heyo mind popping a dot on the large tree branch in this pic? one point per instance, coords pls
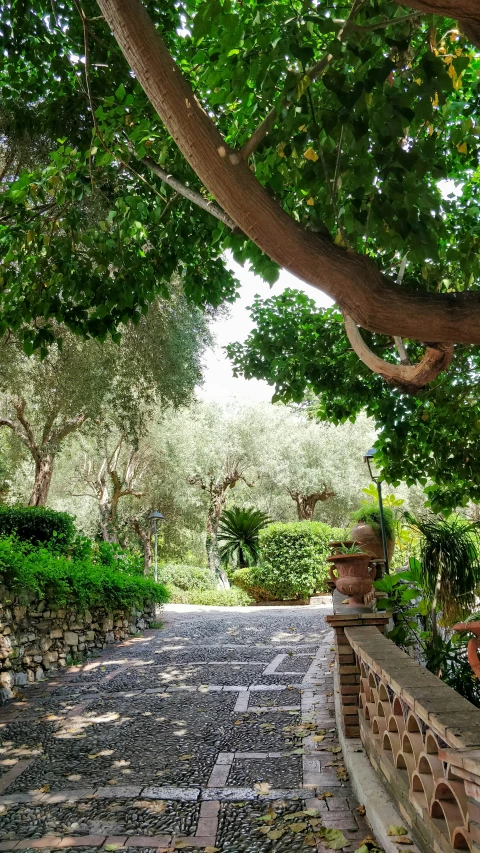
(409, 378)
(67, 427)
(352, 280)
(466, 12)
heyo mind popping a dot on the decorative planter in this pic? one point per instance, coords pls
(355, 575)
(473, 644)
(371, 541)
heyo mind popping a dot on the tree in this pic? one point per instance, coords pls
(216, 485)
(339, 182)
(118, 476)
(46, 400)
(380, 107)
(429, 438)
(238, 532)
(80, 221)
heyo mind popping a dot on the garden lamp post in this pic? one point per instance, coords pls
(155, 517)
(374, 474)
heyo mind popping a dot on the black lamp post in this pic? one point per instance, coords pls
(374, 474)
(155, 517)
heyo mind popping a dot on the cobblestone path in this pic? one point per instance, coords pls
(216, 732)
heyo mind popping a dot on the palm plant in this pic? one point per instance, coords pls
(238, 534)
(449, 565)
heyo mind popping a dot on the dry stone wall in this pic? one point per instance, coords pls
(36, 640)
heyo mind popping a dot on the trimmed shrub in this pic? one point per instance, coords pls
(38, 525)
(80, 583)
(294, 558)
(220, 597)
(186, 577)
(248, 580)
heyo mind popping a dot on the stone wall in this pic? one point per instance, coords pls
(35, 640)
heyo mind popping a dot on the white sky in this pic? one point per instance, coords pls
(220, 385)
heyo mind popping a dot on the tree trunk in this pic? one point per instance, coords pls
(213, 554)
(106, 522)
(306, 503)
(466, 12)
(43, 479)
(145, 537)
(370, 298)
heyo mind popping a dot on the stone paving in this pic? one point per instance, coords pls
(216, 732)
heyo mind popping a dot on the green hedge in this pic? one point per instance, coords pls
(221, 597)
(186, 577)
(77, 582)
(38, 525)
(293, 560)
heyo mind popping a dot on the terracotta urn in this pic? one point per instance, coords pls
(355, 575)
(371, 541)
(473, 644)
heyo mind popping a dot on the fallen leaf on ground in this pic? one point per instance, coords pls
(318, 738)
(211, 849)
(297, 752)
(309, 840)
(396, 830)
(262, 787)
(185, 757)
(112, 846)
(45, 789)
(275, 834)
(334, 839)
(268, 817)
(361, 810)
(403, 839)
(181, 844)
(264, 829)
(298, 827)
(325, 795)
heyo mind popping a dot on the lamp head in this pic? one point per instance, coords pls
(369, 458)
(156, 516)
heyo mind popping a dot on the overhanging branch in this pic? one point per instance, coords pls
(352, 280)
(409, 378)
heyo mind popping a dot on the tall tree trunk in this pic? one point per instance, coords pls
(43, 479)
(213, 554)
(145, 537)
(106, 522)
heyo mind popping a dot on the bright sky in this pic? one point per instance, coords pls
(220, 385)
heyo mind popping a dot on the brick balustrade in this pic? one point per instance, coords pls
(421, 736)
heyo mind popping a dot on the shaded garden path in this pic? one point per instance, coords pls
(217, 731)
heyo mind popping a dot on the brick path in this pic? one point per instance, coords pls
(216, 732)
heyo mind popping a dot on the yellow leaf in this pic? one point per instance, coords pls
(274, 834)
(310, 154)
(418, 81)
(280, 148)
(264, 829)
(396, 830)
(303, 128)
(298, 827)
(318, 738)
(185, 757)
(339, 241)
(462, 149)
(181, 844)
(45, 789)
(310, 201)
(262, 787)
(211, 849)
(451, 71)
(435, 100)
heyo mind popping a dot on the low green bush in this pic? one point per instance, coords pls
(294, 558)
(186, 577)
(38, 525)
(248, 580)
(76, 582)
(220, 597)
